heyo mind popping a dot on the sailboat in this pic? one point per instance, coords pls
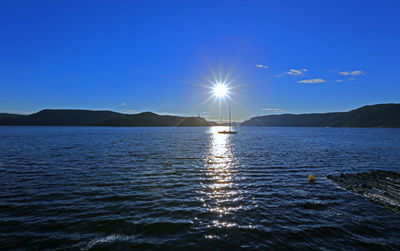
(229, 131)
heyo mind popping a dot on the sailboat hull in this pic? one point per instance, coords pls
(227, 132)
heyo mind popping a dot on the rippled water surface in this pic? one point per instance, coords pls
(149, 188)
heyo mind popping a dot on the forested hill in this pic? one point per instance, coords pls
(381, 115)
(50, 117)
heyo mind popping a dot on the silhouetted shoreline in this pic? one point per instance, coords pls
(66, 117)
(380, 115)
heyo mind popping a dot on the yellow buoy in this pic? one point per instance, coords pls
(311, 177)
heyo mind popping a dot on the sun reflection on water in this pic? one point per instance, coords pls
(222, 197)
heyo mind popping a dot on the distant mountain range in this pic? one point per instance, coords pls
(381, 115)
(50, 117)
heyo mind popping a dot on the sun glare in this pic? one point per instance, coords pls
(220, 90)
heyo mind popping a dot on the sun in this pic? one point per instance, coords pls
(220, 90)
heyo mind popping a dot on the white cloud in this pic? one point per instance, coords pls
(295, 72)
(123, 104)
(272, 109)
(262, 66)
(312, 81)
(129, 111)
(339, 80)
(351, 73)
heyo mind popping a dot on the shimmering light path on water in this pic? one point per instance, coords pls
(93, 187)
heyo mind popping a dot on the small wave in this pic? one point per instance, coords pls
(114, 198)
(315, 205)
(105, 240)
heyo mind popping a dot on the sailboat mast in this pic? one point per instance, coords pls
(229, 118)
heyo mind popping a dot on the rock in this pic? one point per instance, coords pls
(381, 187)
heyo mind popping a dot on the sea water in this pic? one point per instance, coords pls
(139, 188)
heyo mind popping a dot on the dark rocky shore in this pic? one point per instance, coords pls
(382, 187)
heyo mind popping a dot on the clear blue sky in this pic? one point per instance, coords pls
(133, 56)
